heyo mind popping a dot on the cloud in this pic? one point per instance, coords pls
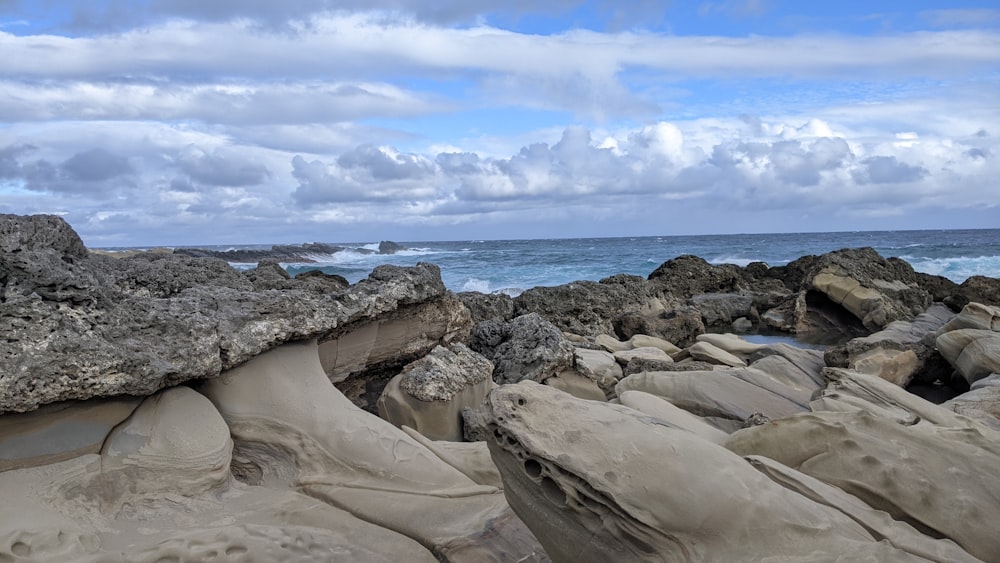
(887, 170)
(221, 169)
(971, 17)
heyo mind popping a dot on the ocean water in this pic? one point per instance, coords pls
(511, 266)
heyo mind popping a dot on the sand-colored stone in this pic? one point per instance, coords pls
(598, 482)
(896, 468)
(975, 315)
(471, 458)
(712, 354)
(597, 365)
(732, 343)
(674, 416)
(292, 426)
(646, 341)
(60, 431)
(894, 366)
(570, 381)
(711, 394)
(975, 353)
(611, 344)
(625, 356)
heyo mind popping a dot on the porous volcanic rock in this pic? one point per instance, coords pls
(77, 325)
(528, 347)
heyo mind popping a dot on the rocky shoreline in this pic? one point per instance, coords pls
(165, 406)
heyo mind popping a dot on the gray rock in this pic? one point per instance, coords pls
(721, 309)
(527, 347)
(588, 308)
(444, 372)
(77, 325)
(488, 306)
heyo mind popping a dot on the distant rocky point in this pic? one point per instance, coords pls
(288, 253)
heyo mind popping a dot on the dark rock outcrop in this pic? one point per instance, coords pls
(77, 325)
(527, 347)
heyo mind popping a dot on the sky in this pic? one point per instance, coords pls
(185, 122)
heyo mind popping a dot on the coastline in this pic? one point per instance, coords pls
(223, 410)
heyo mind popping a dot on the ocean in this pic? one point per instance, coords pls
(511, 266)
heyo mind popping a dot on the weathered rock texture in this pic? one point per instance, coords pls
(431, 392)
(77, 325)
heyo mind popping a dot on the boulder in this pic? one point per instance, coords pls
(721, 309)
(644, 340)
(981, 289)
(611, 344)
(975, 353)
(895, 468)
(645, 353)
(597, 482)
(680, 324)
(719, 395)
(873, 290)
(981, 402)
(712, 354)
(488, 306)
(527, 347)
(974, 315)
(430, 393)
(599, 366)
(731, 343)
(570, 381)
(901, 352)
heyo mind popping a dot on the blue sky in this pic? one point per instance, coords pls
(177, 122)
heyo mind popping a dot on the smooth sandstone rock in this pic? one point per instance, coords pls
(646, 341)
(293, 428)
(712, 354)
(572, 382)
(611, 344)
(674, 416)
(597, 365)
(598, 482)
(894, 366)
(648, 352)
(711, 394)
(60, 431)
(975, 353)
(732, 343)
(895, 468)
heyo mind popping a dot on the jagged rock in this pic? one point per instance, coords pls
(873, 290)
(862, 454)
(77, 325)
(488, 306)
(721, 309)
(686, 276)
(589, 308)
(597, 482)
(527, 347)
(981, 289)
(389, 247)
(430, 393)
(679, 325)
(639, 364)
